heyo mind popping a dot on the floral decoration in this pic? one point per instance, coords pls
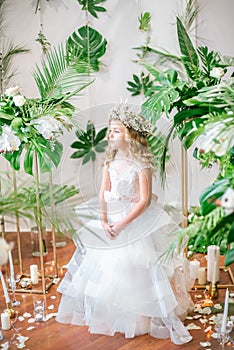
(34, 126)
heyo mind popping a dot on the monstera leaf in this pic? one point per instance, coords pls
(89, 143)
(87, 44)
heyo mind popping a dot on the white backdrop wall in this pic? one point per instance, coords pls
(119, 25)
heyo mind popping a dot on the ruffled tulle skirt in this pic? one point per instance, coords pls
(124, 286)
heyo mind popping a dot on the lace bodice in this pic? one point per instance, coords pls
(124, 176)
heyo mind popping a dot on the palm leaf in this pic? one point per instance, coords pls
(189, 54)
(9, 51)
(60, 76)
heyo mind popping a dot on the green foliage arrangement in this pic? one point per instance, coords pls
(89, 142)
(201, 103)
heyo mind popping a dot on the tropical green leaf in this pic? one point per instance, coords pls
(28, 160)
(144, 21)
(229, 257)
(14, 158)
(89, 143)
(184, 115)
(92, 6)
(87, 45)
(189, 54)
(59, 77)
(100, 136)
(211, 193)
(140, 84)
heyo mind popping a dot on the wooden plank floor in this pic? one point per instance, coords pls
(53, 335)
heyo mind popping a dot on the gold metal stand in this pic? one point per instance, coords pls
(45, 281)
(219, 286)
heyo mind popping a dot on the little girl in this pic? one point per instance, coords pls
(120, 284)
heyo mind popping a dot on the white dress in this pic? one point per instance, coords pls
(122, 285)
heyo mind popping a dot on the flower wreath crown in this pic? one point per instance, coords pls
(131, 119)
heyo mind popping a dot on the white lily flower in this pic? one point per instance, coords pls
(9, 142)
(217, 72)
(227, 201)
(19, 100)
(13, 91)
(47, 126)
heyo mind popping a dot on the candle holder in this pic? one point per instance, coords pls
(223, 337)
(10, 310)
(213, 290)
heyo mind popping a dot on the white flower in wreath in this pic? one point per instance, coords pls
(217, 72)
(13, 91)
(9, 142)
(47, 126)
(19, 100)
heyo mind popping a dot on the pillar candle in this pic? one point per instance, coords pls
(213, 264)
(12, 273)
(34, 274)
(201, 275)
(194, 266)
(7, 299)
(5, 321)
(225, 313)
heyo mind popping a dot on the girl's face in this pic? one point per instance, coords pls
(116, 135)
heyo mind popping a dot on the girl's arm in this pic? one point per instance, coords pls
(105, 186)
(145, 193)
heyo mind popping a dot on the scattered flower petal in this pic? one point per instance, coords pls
(21, 338)
(203, 320)
(206, 343)
(53, 297)
(206, 311)
(50, 315)
(208, 329)
(51, 307)
(5, 346)
(21, 318)
(197, 316)
(191, 326)
(30, 328)
(217, 306)
(31, 320)
(214, 335)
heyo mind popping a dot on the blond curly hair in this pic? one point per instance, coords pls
(138, 148)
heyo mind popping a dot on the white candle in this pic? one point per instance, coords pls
(4, 288)
(5, 321)
(194, 266)
(34, 274)
(201, 275)
(212, 258)
(214, 273)
(225, 313)
(12, 273)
